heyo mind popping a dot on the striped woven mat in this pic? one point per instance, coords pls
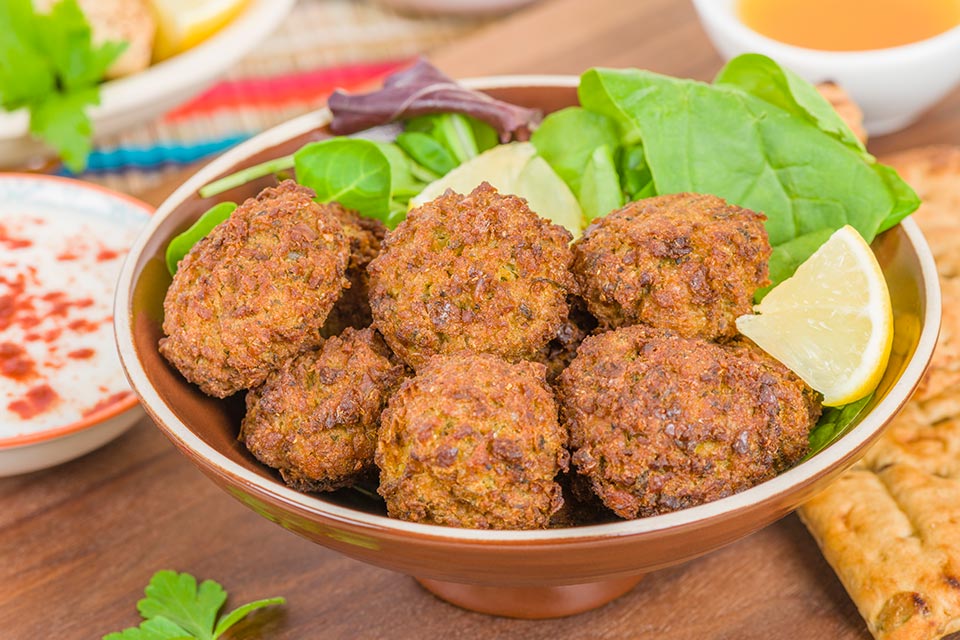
(322, 45)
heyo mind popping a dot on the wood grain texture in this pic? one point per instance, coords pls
(79, 542)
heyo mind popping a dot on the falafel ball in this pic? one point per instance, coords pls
(473, 441)
(255, 291)
(685, 262)
(560, 352)
(316, 418)
(365, 236)
(659, 422)
(480, 273)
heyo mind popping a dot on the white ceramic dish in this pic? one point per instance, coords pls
(893, 86)
(144, 96)
(94, 379)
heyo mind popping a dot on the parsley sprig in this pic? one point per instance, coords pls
(49, 65)
(175, 608)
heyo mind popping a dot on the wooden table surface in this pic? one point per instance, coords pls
(79, 542)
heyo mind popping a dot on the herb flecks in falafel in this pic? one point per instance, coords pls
(255, 291)
(478, 272)
(473, 441)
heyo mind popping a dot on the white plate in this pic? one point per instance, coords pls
(143, 96)
(25, 447)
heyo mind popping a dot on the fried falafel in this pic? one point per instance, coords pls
(659, 422)
(316, 418)
(365, 236)
(473, 441)
(685, 262)
(255, 291)
(478, 272)
(560, 352)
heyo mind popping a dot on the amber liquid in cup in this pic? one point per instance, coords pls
(849, 25)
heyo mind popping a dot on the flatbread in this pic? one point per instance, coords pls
(890, 526)
(934, 173)
(939, 392)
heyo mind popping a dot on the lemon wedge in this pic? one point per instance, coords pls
(182, 24)
(514, 168)
(831, 323)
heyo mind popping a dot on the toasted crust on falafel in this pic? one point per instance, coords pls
(480, 273)
(659, 422)
(473, 441)
(316, 418)
(255, 291)
(685, 262)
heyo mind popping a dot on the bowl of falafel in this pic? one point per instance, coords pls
(524, 414)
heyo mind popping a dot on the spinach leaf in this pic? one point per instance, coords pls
(181, 245)
(719, 139)
(600, 186)
(635, 177)
(403, 184)
(760, 76)
(567, 139)
(454, 131)
(354, 172)
(426, 151)
(833, 423)
(485, 135)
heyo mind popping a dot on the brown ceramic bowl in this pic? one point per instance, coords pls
(516, 573)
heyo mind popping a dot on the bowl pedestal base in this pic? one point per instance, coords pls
(530, 603)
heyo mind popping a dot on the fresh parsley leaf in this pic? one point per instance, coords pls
(176, 608)
(154, 629)
(61, 120)
(50, 66)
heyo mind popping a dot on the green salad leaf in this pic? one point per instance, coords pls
(176, 608)
(761, 138)
(356, 173)
(50, 66)
(600, 191)
(718, 139)
(463, 136)
(567, 139)
(763, 78)
(427, 151)
(180, 246)
(833, 424)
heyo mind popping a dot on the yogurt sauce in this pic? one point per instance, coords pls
(58, 359)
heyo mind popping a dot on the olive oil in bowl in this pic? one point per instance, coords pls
(849, 25)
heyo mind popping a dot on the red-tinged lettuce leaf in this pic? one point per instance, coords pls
(422, 90)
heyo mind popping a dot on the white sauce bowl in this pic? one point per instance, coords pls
(62, 243)
(893, 86)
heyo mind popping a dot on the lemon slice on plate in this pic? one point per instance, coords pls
(831, 323)
(182, 24)
(513, 168)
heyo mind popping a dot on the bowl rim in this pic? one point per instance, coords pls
(115, 408)
(177, 73)
(186, 440)
(724, 15)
